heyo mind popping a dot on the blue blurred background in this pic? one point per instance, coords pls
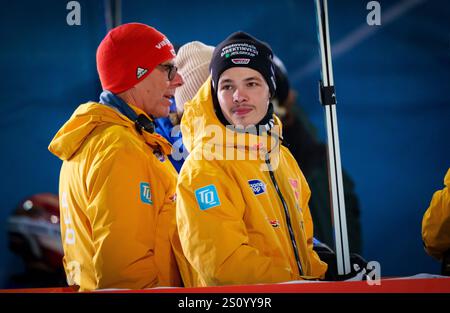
(392, 86)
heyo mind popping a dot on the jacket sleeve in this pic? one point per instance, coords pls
(436, 222)
(122, 223)
(318, 267)
(214, 237)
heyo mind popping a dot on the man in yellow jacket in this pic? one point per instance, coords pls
(242, 200)
(117, 187)
(436, 226)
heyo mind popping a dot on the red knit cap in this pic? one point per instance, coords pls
(129, 53)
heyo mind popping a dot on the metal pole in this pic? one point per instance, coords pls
(328, 100)
(113, 13)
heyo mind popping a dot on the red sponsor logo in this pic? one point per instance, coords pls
(240, 61)
(275, 223)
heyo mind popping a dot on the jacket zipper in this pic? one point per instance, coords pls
(288, 217)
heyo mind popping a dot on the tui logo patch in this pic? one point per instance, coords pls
(146, 193)
(207, 197)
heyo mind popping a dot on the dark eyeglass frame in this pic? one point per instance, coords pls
(171, 70)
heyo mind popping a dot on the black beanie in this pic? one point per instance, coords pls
(243, 50)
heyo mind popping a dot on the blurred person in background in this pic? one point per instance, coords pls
(436, 226)
(34, 235)
(301, 137)
(192, 61)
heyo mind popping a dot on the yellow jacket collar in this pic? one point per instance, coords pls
(200, 126)
(86, 118)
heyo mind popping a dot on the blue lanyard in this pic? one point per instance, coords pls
(141, 122)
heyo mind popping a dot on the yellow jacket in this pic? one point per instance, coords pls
(117, 195)
(231, 220)
(436, 222)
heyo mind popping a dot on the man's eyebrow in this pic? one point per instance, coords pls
(229, 80)
(226, 80)
(252, 78)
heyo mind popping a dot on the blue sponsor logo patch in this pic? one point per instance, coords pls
(207, 197)
(146, 193)
(258, 186)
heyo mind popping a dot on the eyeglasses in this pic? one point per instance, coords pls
(171, 70)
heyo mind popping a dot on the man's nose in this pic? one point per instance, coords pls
(177, 81)
(239, 96)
